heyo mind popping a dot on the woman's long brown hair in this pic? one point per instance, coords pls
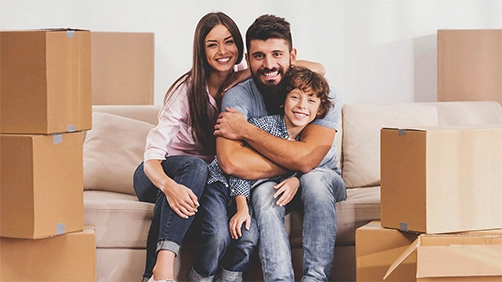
(202, 128)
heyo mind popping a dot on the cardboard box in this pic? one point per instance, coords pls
(68, 257)
(45, 81)
(441, 179)
(122, 68)
(41, 185)
(377, 248)
(469, 65)
(455, 257)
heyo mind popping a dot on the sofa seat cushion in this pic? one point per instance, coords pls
(121, 221)
(362, 206)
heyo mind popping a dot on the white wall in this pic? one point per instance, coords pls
(373, 51)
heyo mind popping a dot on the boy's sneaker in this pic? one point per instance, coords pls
(153, 280)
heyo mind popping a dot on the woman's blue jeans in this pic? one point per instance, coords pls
(167, 229)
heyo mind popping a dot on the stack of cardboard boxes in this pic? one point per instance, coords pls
(441, 212)
(45, 104)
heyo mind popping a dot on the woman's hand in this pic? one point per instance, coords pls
(288, 189)
(181, 199)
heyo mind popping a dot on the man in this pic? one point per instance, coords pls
(270, 55)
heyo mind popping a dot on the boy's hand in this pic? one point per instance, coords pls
(288, 189)
(236, 224)
(240, 217)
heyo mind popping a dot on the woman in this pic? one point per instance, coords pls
(174, 171)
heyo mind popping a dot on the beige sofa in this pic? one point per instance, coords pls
(114, 147)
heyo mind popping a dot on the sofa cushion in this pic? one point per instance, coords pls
(361, 136)
(120, 220)
(113, 149)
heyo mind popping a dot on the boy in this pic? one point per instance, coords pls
(304, 97)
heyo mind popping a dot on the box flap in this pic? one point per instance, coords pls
(459, 261)
(402, 257)
(468, 254)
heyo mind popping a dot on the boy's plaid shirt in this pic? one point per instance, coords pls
(275, 125)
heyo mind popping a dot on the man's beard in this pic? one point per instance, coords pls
(271, 92)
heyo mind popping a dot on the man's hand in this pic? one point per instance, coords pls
(288, 189)
(230, 124)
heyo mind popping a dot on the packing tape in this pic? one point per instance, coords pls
(401, 132)
(403, 226)
(70, 33)
(58, 138)
(60, 228)
(70, 128)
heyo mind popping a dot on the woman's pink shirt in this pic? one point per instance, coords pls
(173, 134)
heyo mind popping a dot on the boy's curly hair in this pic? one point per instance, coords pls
(308, 82)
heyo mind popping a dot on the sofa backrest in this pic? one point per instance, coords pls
(146, 113)
(111, 158)
(362, 124)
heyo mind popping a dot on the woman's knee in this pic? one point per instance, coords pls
(190, 171)
(143, 187)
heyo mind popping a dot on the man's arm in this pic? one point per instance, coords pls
(303, 155)
(313, 66)
(243, 162)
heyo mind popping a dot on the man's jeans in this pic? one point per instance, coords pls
(319, 191)
(217, 248)
(167, 229)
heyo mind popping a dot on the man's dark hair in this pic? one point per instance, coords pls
(269, 26)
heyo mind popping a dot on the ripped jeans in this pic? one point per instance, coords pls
(319, 191)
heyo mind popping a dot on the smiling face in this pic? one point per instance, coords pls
(300, 108)
(220, 48)
(269, 60)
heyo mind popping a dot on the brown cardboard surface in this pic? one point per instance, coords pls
(45, 81)
(441, 179)
(472, 255)
(469, 65)
(377, 248)
(68, 257)
(122, 68)
(41, 185)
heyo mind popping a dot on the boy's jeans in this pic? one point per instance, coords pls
(216, 247)
(167, 229)
(319, 191)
